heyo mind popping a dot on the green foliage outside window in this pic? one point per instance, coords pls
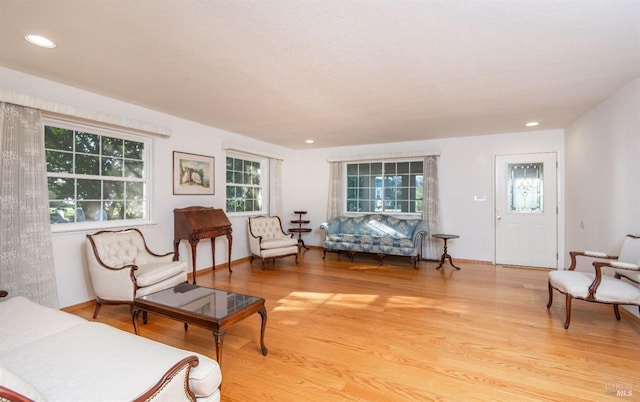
(94, 177)
(244, 189)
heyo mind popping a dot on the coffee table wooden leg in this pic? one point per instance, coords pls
(218, 337)
(263, 314)
(134, 317)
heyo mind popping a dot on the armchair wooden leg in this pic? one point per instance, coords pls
(568, 320)
(616, 310)
(550, 296)
(263, 263)
(97, 310)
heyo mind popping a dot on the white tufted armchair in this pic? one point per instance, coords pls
(122, 267)
(267, 239)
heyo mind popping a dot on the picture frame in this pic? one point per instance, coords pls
(193, 174)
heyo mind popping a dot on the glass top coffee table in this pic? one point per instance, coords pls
(204, 307)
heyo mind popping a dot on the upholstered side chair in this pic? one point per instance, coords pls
(122, 267)
(597, 286)
(267, 239)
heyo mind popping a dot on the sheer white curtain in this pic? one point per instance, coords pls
(275, 187)
(26, 251)
(336, 190)
(431, 249)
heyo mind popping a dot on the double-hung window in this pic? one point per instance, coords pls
(389, 186)
(247, 179)
(96, 177)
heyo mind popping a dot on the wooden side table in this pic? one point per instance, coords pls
(445, 255)
(300, 230)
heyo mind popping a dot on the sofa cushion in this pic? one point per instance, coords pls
(149, 274)
(91, 351)
(278, 243)
(24, 321)
(576, 283)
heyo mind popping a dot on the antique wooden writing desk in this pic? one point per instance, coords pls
(195, 223)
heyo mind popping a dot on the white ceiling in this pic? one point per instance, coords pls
(339, 72)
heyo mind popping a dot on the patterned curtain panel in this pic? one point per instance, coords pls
(275, 187)
(336, 190)
(431, 249)
(26, 251)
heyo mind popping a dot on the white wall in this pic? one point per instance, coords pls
(603, 171)
(603, 174)
(465, 169)
(72, 278)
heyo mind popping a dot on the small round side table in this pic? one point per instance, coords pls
(445, 255)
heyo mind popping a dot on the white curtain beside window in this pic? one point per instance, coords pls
(26, 250)
(336, 190)
(431, 208)
(275, 187)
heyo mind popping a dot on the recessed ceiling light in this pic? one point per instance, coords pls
(532, 124)
(40, 41)
(309, 141)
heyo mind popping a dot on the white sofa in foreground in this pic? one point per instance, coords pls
(51, 355)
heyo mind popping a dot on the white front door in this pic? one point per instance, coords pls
(526, 215)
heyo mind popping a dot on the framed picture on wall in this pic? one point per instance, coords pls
(193, 174)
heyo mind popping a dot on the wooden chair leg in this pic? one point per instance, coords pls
(550, 296)
(568, 320)
(98, 305)
(616, 310)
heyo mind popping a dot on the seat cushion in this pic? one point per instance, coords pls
(611, 290)
(278, 252)
(93, 351)
(280, 242)
(148, 274)
(24, 321)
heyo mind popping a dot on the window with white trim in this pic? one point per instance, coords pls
(247, 179)
(96, 176)
(385, 186)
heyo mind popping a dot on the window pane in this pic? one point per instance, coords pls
(112, 167)
(135, 190)
(133, 168)
(113, 190)
(59, 162)
(87, 143)
(60, 189)
(87, 164)
(88, 189)
(133, 150)
(58, 139)
(114, 210)
(135, 209)
(525, 187)
(112, 146)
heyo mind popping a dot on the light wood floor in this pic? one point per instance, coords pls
(342, 331)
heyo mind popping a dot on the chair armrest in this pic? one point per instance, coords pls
(421, 230)
(591, 254)
(7, 394)
(4, 293)
(330, 227)
(174, 384)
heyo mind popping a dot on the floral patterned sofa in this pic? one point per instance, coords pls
(375, 233)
